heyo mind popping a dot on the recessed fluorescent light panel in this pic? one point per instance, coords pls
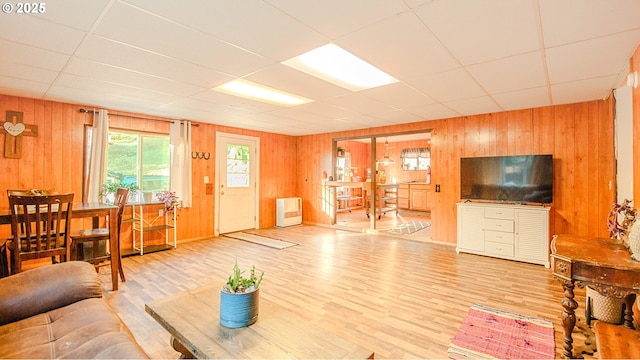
(338, 66)
(251, 90)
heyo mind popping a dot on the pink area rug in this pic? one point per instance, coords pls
(488, 333)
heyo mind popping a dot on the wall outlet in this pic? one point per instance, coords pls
(160, 212)
(437, 187)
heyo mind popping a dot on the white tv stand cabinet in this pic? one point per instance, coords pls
(506, 231)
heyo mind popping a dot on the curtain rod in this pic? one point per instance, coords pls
(133, 117)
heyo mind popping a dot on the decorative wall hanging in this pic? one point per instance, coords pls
(14, 129)
(200, 155)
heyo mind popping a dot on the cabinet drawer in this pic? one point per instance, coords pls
(499, 237)
(498, 225)
(498, 249)
(498, 213)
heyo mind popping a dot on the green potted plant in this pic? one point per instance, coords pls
(239, 298)
(109, 189)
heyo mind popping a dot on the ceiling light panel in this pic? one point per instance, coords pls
(251, 90)
(338, 66)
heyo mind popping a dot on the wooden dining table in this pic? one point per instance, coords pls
(94, 210)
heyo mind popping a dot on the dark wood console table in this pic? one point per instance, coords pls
(602, 263)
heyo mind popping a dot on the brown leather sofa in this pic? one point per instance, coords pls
(57, 311)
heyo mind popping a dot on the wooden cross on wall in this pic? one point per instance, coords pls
(14, 129)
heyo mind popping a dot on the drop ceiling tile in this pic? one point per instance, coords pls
(358, 103)
(109, 89)
(37, 32)
(336, 18)
(189, 104)
(416, 3)
(112, 101)
(397, 116)
(479, 31)
(78, 14)
(252, 25)
(522, 99)
(219, 98)
(175, 40)
(28, 73)
(448, 86)
(433, 112)
(400, 46)
(570, 21)
(592, 58)
(101, 72)
(287, 79)
(326, 109)
(474, 106)
(118, 54)
(294, 116)
(362, 121)
(399, 95)
(15, 53)
(22, 87)
(515, 73)
(585, 90)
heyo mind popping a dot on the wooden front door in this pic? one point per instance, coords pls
(237, 181)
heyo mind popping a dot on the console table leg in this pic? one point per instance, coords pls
(629, 301)
(568, 317)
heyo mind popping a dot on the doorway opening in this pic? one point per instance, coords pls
(382, 184)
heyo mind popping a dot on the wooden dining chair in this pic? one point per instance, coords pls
(31, 192)
(40, 227)
(92, 245)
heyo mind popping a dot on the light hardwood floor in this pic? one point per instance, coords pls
(399, 297)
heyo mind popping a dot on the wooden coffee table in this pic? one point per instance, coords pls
(193, 320)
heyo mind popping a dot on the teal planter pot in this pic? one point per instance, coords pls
(239, 310)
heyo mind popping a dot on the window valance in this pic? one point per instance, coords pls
(415, 153)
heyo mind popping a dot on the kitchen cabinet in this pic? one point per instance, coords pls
(415, 196)
(420, 197)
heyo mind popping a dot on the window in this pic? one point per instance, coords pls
(138, 159)
(416, 158)
(238, 170)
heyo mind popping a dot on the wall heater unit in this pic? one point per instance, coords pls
(288, 211)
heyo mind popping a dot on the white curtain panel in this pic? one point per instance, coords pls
(99, 137)
(180, 148)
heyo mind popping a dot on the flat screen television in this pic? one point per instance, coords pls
(516, 179)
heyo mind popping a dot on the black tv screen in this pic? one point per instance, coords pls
(518, 179)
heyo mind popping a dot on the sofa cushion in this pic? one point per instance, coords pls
(84, 329)
(46, 288)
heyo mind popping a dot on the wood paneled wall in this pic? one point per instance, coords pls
(54, 159)
(579, 136)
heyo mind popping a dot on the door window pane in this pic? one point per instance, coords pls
(237, 165)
